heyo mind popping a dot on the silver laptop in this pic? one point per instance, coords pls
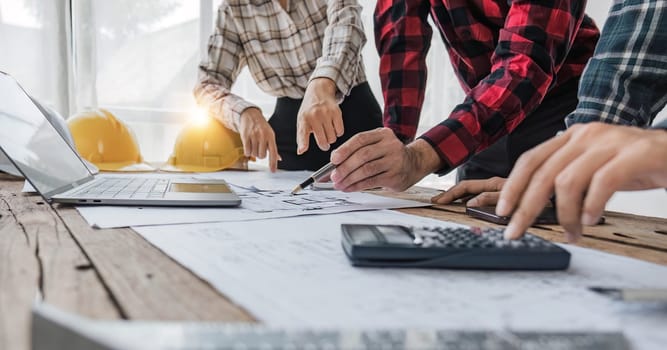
(57, 172)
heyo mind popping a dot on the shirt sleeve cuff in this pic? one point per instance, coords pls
(440, 141)
(233, 107)
(344, 82)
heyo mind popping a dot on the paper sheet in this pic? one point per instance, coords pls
(293, 273)
(264, 195)
(27, 188)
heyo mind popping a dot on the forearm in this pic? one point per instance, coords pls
(218, 100)
(425, 158)
(323, 86)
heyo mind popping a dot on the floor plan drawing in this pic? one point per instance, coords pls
(263, 201)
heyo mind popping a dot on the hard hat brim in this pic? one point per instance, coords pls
(241, 164)
(125, 167)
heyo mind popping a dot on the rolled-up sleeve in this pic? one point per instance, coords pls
(219, 71)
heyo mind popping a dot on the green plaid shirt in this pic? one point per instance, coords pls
(626, 80)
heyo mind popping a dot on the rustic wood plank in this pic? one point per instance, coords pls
(53, 265)
(415, 193)
(146, 283)
(636, 230)
(19, 275)
(9, 178)
(633, 230)
(68, 280)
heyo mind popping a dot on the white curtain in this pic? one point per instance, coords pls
(34, 48)
(139, 60)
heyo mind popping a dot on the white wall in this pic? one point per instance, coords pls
(598, 10)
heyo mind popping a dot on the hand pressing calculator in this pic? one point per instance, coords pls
(453, 248)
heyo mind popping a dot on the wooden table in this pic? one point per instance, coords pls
(116, 274)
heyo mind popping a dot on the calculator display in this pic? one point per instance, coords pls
(363, 235)
(366, 234)
(395, 234)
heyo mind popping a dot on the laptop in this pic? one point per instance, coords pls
(57, 172)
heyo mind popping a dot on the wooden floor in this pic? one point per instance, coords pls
(115, 274)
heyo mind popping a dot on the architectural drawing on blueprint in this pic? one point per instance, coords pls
(264, 196)
(262, 201)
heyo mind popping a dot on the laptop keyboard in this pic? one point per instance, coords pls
(125, 188)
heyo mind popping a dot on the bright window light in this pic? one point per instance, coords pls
(199, 116)
(19, 13)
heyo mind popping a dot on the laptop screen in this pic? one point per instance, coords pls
(36, 148)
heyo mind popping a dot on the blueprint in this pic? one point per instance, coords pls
(293, 272)
(264, 201)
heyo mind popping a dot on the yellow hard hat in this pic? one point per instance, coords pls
(105, 141)
(206, 146)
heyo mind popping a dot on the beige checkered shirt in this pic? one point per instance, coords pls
(283, 48)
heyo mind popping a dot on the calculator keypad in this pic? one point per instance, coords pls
(449, 247)
(462, 238)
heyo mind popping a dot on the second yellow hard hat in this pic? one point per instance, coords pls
(206, 146)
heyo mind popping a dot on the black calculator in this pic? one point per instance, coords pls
(446, 247)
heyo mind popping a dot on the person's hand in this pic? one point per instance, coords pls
(258, 137)
(377, 158)
(483, 192)
(583, 167)
(319, 115)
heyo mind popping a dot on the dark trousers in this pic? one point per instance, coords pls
(540, 125)
(360, 110)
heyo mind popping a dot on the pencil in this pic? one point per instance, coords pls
(322, 172)
(633, 294)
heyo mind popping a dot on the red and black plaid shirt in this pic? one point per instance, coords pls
(507, 55)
